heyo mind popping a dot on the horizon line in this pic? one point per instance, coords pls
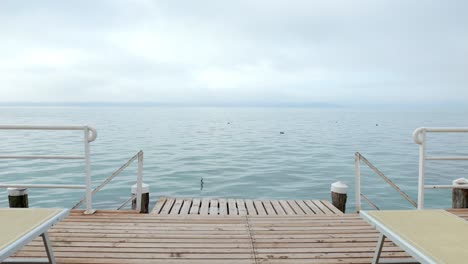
(179, 104)
(233, 104)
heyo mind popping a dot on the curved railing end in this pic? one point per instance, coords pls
(417, 135)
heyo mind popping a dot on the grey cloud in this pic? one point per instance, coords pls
(411, 51)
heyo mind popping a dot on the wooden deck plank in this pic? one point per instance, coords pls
(194, 239)
(331, 207)
(204, 207)
(173, 260)
(278, 208)
(238, 207)
(250, 207)
(304, 207)
(268, 207)
(195, 206)
(295, 207)
(213, 207)
(185, 210)
(241, 207)
(232, 207)
(287, 208)
(259, 207)
(223, 210)
(313, 207)
(159, 204)
(322, 207)
(176, 207)
(167, 206)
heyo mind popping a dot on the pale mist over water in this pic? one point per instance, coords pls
(239, 152)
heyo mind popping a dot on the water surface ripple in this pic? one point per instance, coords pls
(239, 152)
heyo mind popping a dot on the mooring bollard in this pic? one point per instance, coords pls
(459, 195)
(18, 197)
(339, 195)
(144, 198)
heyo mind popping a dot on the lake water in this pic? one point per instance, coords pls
(239, 152)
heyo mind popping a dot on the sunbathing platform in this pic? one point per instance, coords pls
(126, 237)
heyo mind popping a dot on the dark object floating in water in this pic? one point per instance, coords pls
(228, 123)
(376, 124)
(281, 132)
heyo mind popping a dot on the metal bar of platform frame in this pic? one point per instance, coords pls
(41, 127)
(126, 202)
(422, 169)
(89, 195)
(419, 137)
(370, 202)
(447, 158)
(418, 133)
(357, 166)
(51, 127)
(378, 249)
(48, 248)
(139, 181)
(90, 135)
(40, 157)
(386, 179)
(461, 186)
(53, 186)
(106, 181)
(49, 251)
(447, 129)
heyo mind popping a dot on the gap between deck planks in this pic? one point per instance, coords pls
(242, 207)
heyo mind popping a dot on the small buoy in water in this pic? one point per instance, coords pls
(281, 132)
(228, 123)
(376, 124)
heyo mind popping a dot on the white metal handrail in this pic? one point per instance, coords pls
(139, 156)
(419, 137)
(357, 162)
(45, 186)
(90, 135)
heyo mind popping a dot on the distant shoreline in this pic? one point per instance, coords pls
(354, 105)
(171, 104)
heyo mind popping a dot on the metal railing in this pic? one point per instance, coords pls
(137, 196)
(358, 157)
(90, 135)
(419, 137)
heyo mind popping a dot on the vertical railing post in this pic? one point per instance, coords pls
(139, 181)
(357, 165)
(89, 195)
(422, 161)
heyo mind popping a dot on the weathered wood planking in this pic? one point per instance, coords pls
(123, 237)
(241, 207)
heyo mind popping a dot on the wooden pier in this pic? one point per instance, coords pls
(236, 207)
(125, 237)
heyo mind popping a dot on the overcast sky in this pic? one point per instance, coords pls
(234, 51)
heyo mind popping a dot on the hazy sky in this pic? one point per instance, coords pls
(234, 51)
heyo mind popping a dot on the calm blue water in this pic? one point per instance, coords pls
(239, 152)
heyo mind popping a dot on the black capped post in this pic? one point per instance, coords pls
(339, 195)
(460, 195)
(18, 197)
(144, 198)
